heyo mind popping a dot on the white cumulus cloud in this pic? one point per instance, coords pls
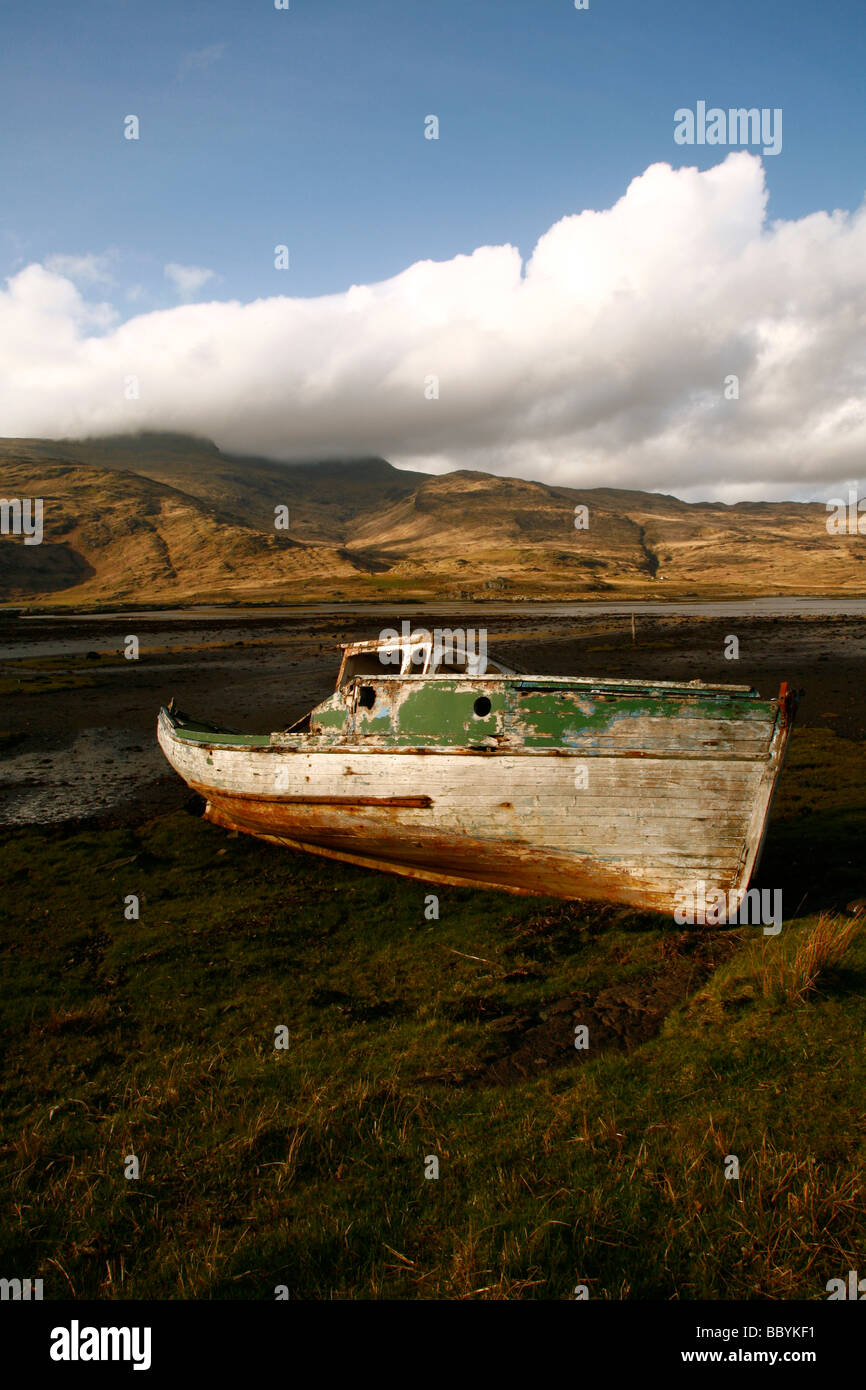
(601, 360)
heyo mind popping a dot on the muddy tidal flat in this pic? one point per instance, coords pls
(411, 1033)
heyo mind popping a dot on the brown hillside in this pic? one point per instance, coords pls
(167, 518)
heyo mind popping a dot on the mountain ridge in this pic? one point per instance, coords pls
(171, 518)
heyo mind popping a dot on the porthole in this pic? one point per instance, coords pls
(367, 697)
(481, 707)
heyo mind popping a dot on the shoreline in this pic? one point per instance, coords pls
(773, 605)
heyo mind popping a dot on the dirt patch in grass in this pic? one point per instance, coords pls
(618, 1018)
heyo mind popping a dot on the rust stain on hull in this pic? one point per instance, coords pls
(470, 863)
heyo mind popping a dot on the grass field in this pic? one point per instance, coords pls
(409, 1038)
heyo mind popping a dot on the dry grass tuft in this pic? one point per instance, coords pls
(820, 951)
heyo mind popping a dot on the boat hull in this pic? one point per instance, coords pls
(631, 827)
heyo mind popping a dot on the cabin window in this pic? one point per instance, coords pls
(452, 659)
(367, 697)
(367, 664)
(453, 663)
(482, 707)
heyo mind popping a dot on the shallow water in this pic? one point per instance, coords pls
(760, 607)
(113, 644)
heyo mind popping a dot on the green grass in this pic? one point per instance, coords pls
(305, 1167)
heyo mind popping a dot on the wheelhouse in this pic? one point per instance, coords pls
(438, 653)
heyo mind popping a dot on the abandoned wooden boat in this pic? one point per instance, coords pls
(453, 771)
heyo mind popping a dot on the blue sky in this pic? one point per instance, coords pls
(547, 290)
(305, 126)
